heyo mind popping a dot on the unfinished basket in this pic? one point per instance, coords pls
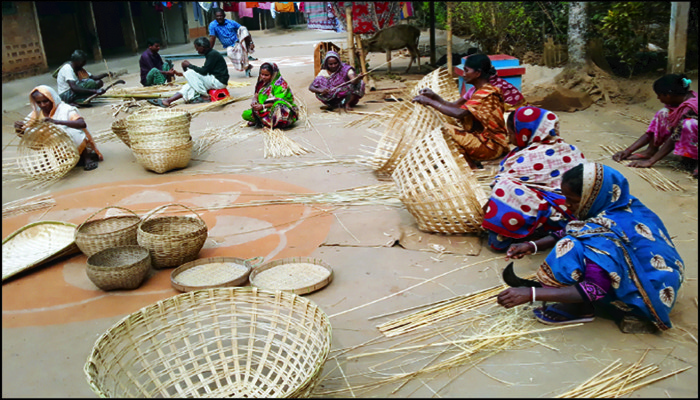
(97, 235)
(123, 267)
(46, 152)
(156, 124)
(172, 240)
(406, 126)
(441, 83)
(299, 275)
(160, 160)
(223, 342)
(212, 272)
(438, 188)
(119, 129)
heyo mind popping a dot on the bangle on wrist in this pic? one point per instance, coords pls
(532, 300)
(535, 246)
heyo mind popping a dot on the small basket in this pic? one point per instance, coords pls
(438, 188)
(46, 152)
(97, 235)
(212, 277)
(300, 280)
(172, 240)
(123, 267)
(119, 129)
(223, 342)
(162, 160)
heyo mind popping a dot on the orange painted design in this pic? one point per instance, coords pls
(60, 292)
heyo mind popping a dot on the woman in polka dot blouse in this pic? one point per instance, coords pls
(526, 199)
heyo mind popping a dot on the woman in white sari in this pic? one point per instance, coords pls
(238, 53)
(48, 106)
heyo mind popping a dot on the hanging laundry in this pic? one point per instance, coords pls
(244, 11)
(272, 10)
(230, 6)
(198, 15)
(251, 4)
(284, 7)
(301, 6)
(406, 9)
(318, 16)
(206, 5)
(264, 6)
(368, 17)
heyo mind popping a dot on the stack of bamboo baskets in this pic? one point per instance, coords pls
(160, 138)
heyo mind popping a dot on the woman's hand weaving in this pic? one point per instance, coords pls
(512, 297)
(519, 250)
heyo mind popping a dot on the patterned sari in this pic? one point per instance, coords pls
(526, 192)
(282, 112)
(512, 97)
(331, 81)
(626, 239)
(483, 133)
(680, 124)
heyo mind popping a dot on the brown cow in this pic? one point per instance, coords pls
(394, 38)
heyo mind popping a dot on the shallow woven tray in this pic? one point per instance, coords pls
(99, 234)
(438, 188)
(300, 279)
(123, 267)
(222, 342)
(35, 244)
(207, 273)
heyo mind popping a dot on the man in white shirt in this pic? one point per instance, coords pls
(74, 83)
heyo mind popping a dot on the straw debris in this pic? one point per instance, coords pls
(278, 144)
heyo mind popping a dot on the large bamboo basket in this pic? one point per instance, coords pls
(441, 83)
(122, 267)
(99, 234)
(119, 129)
(172, 240)
(46, 152)
(156, 124)
(164, 158)
(221, 342)
(438, 188)
(407, 125)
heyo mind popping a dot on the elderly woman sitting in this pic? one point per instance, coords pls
(336, 84)
(48, 106)
(483, 132)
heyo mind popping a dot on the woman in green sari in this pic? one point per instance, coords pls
(273, 104)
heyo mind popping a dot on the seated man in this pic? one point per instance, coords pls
(74, 83)
(212, 75)
(155, 71)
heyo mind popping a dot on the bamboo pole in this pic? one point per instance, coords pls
(363, 63)
(351, 45)
(449, 39)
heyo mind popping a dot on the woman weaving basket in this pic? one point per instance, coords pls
(483, 132)
(336, 84)
(618, 256)
(48, 106)
(526, 197)
(273, 104)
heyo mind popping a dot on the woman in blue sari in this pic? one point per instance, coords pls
(618, 255)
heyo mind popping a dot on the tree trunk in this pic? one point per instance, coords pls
(577, 33)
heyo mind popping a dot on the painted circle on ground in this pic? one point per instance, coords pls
(60, 292)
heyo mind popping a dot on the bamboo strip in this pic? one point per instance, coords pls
(656, 179)
(27, 204)
(277, 144)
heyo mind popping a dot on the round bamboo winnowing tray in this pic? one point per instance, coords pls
(222, 342)
(156, 124)
(298, 275)
(212, 272)
(46, 152)
(438, 188)
(405, 127)
(440, 82)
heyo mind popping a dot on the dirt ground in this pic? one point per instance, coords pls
(53, 315)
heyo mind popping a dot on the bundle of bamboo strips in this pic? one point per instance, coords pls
(221, 136)
(277, 144)
(154, 92)
(27, 204)
(610, 382)
(442, 310)
(656, 179)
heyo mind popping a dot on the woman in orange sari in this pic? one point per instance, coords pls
(483, 134)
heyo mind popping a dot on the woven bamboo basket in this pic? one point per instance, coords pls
(46, 152)
(172, 240)
(222, 342)
(123, 267)
(405, 127)
(119, 129)
(163, 159)
(212, 272)
(97, 235)
(438, 188)
(441, 83)
(156, 124)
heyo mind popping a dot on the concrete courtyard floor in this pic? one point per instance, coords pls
(53, 315)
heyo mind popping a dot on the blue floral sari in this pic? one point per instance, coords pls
(621, 235)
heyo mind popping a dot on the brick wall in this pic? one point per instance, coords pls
(22, 49)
